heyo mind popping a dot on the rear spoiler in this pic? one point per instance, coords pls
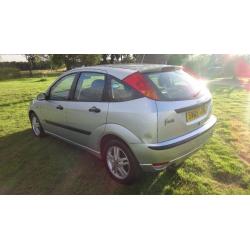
(166, 68)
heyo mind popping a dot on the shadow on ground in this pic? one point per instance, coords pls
(32, 165)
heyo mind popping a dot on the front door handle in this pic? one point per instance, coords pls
(95, 110)
(59, 107)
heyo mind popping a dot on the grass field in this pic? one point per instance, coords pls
(29, 165)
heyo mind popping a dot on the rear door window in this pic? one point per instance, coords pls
(90, 87)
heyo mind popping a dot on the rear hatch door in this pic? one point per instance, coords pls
(184, 104)
(179, 118)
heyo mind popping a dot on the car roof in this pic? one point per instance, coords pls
(123, 70)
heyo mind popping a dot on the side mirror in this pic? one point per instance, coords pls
(41, 97)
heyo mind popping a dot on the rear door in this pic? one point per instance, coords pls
(86, 113)
(184, 103)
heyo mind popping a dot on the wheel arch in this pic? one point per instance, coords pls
(31, 112)
(120, 133)
(107, 138)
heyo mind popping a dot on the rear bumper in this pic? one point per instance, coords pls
(175, 150)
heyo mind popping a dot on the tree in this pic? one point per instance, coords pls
(104, 58)
(48, 58)
(90, 59)
(31, 58)
(57, 60)
(201, 65)
(75, 60)
(150, 58)
(175, 59)
(112, 58)
(128, 58)
(70, 61)
(117, 58)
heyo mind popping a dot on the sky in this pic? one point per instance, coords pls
(10, 58)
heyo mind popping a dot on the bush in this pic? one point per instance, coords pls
(9, 72)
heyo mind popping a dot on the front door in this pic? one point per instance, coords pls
(54, 109)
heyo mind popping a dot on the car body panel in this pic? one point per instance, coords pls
(139, 116)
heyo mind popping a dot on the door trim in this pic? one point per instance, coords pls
(69, 127)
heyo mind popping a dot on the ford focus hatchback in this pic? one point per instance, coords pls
(134, 117)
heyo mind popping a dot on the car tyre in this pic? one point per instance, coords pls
(36, 126)
(120, 162)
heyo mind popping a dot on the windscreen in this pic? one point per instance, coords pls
(175, 85)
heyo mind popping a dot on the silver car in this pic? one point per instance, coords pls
(135, 117)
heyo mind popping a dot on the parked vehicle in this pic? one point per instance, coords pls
(134, 117)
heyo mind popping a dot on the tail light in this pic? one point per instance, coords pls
(140, 83)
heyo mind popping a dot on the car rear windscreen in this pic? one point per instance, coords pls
(175, 85)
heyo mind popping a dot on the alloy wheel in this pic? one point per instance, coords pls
(118, 162)
(36, 126)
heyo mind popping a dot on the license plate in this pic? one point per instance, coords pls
(196, 113)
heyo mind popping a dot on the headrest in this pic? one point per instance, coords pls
(97, 84)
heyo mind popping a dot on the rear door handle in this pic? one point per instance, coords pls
(95, 110)
(59, 107)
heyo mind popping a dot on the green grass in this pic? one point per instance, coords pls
(29, 165)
